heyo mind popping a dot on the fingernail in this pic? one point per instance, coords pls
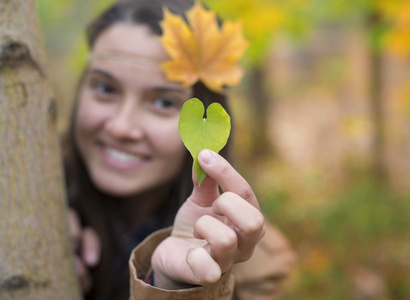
(91, 257)
(207, 156)
(195, 278)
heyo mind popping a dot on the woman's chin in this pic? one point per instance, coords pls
(117, 187)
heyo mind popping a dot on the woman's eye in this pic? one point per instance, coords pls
(165, 103)
(103, 88)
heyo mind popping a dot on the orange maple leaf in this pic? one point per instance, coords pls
(202, 51)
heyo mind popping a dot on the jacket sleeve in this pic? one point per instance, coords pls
(140, 271)
(262, 277)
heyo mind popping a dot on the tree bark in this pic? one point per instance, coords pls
(378, 167)
(261, 146)
(35, 254)
(377, 111)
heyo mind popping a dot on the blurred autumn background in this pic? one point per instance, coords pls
(322, 130)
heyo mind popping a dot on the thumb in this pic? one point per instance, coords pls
(208, 192)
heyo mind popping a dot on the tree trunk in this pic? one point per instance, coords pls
(35, 254)
(378, 167)
(261, 146)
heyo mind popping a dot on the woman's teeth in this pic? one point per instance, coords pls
(122, 156)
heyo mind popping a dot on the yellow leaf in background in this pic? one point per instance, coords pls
(202, 52)
(398, 43)
(355, 126)
(398, 38)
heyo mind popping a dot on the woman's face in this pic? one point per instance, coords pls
(127, 118)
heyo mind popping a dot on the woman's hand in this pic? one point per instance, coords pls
(86, 247)
(212, 231)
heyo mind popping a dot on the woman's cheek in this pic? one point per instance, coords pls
(90, 116)
(169, 140)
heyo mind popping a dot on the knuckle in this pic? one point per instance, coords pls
(73, 223)
(202, 223)
(225, 169)
(228, 240)
(247, 193)
(223, 199)
(262, 234)
(255, 225)
(79, 267)
(91, 236)
(244, 256)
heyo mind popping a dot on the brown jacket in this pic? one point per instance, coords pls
(259, 278)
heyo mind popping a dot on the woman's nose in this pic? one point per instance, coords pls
(125, 124)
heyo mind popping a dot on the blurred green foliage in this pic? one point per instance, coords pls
(359, 234)
(70, 17)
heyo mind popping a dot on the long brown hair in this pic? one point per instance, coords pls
(97, 209)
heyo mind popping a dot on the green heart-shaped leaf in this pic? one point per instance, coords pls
(199, 133)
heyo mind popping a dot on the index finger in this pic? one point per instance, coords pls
(226, 176)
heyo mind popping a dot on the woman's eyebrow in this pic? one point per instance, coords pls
(102, 73)
(170, 89)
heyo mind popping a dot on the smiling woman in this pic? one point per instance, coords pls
(127, 117)
(129, 174)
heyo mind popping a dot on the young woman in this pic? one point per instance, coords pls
(129, 179)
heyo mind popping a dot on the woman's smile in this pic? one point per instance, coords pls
(121, 159)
